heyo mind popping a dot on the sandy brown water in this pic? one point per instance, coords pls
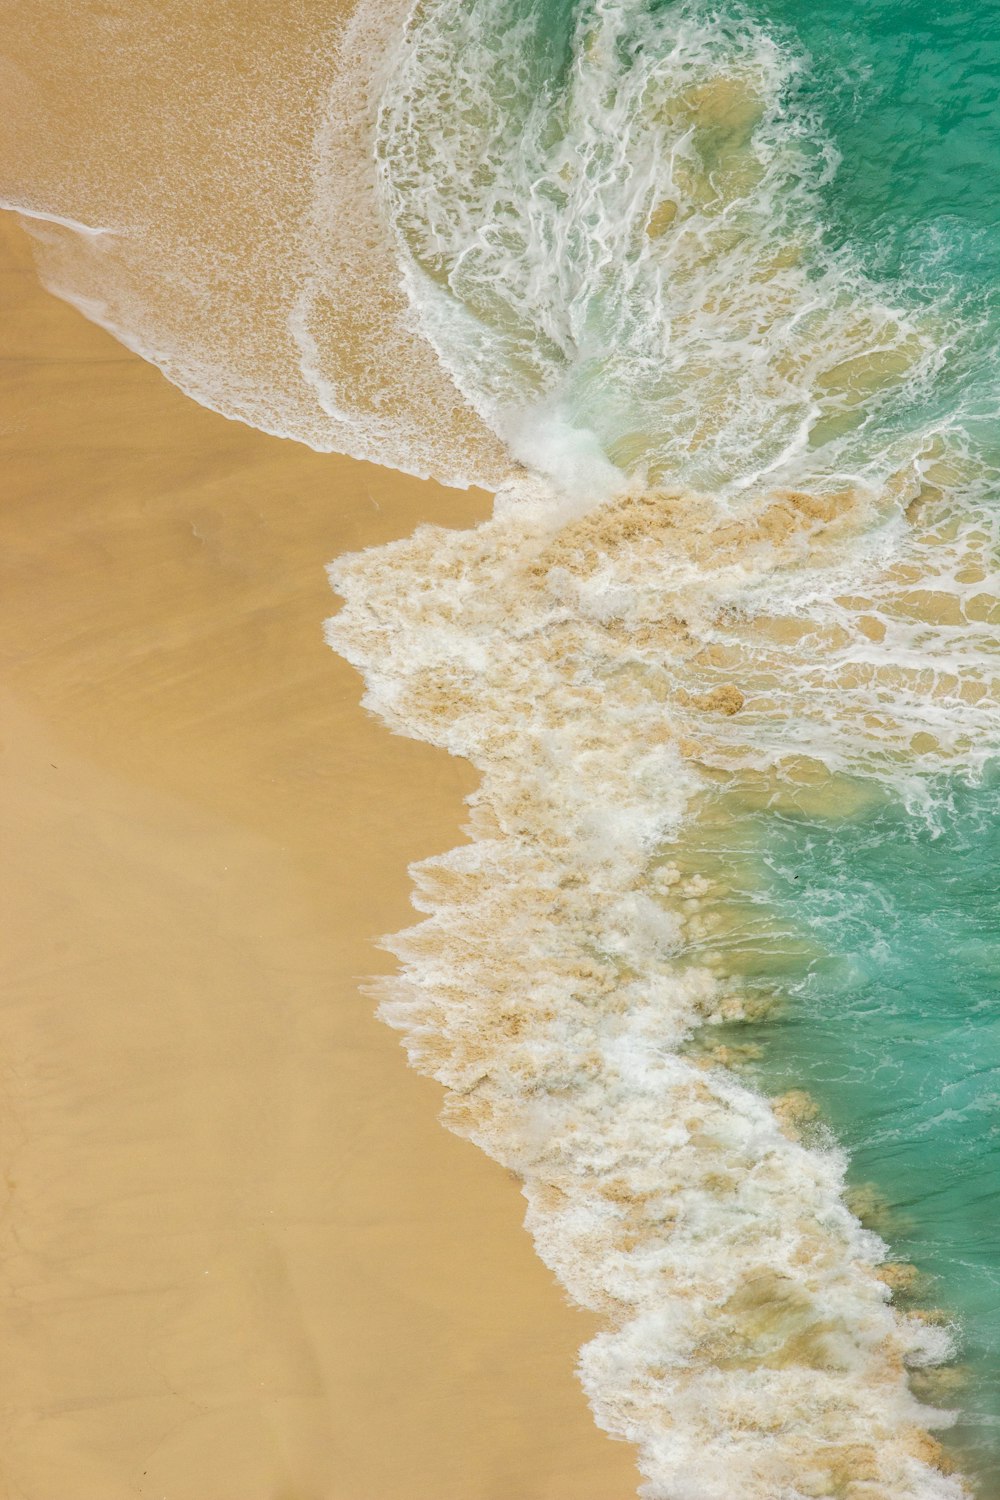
(241, 1260)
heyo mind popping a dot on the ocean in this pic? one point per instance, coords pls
(706, 295)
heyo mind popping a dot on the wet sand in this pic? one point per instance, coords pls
(241, 1260)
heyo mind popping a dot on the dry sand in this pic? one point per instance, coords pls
(241, 1260)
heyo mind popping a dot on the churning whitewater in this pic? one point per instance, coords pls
(748, 548)
(743, 539)
(580, 664)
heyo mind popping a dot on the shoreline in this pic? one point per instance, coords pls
(222, 1171)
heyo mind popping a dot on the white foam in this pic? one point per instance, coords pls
(545, 439)
(90, 231)
(635, 242)
(752, 1349)
(636, 256)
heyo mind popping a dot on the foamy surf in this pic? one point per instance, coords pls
(752, 1346)
(758, 553)
(744, 535)
(615, 229)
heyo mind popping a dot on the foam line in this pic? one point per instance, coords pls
(89, 231)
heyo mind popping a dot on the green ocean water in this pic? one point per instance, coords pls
(910, 93)
(893, 1025)
(882, 929)
(910, 96)
(880, 932)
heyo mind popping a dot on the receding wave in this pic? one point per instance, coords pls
(743, 538)
(231, 157)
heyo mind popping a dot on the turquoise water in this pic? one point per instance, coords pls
(894, 1029)
(910, 95)
(895, 1026)
(859, 143)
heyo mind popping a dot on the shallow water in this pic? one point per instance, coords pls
(879, 932)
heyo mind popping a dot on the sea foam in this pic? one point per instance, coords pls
(237, 243)
(752, 1347)
(619, 227)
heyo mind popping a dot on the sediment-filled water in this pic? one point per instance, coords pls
(706, 294)
(890, 1028)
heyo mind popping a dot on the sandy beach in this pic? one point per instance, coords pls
(241, 1258)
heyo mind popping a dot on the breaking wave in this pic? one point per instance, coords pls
(757, 544)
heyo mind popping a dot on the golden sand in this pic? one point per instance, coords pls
(241, 1260)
